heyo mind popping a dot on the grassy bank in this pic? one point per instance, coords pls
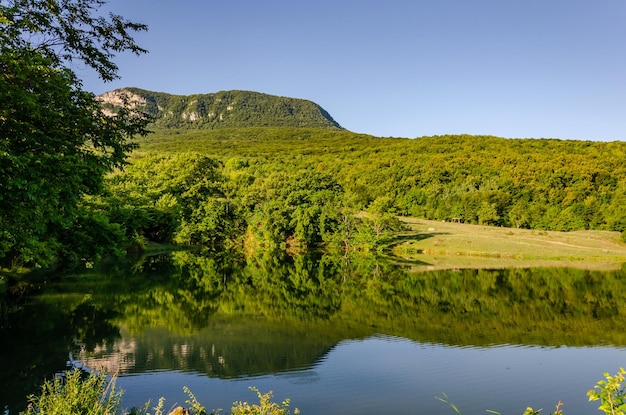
(446, 245)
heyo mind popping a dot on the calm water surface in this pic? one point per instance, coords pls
(364, 337)
(391, 375)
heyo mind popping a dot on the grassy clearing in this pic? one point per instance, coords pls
(445, 245)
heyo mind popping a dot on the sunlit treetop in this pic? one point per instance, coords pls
(69, 30)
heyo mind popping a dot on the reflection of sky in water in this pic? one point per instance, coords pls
(391, 375)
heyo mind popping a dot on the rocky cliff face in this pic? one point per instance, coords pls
(229, 109)
(119, 98)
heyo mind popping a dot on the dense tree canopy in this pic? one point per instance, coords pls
(56, 144)
(524, 183)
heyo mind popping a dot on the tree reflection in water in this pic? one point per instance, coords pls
(227, 315)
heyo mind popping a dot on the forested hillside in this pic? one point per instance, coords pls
(225, 109)
(526, 183)
(306, 187)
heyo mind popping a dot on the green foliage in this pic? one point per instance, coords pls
(69, 30)
(265, 406)
(90, 237)
(73, 395)
(179, 198)
(525, 183)
(611, 394)
(376, 232)
(91, 394)
(192, 199)
(531, 411)
(48, 163)
(196, 408)
(301, 207)
(303, 188)
(56, 142)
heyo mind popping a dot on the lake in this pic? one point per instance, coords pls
(335, 335)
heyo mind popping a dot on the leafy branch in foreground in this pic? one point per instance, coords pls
(57, 142)
(557, 410)
(265, 407)
(610, 393)
(71, 30)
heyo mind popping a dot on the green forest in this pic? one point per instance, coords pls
(292, 187)
(521, 183)
(298, 188)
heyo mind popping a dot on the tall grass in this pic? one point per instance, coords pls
(76, 394)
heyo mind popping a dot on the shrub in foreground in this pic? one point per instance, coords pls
(93, 394)
(77, 393)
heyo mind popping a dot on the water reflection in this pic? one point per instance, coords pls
(295, 320)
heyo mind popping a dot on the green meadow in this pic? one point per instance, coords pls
(445, 245)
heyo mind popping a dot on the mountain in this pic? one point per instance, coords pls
(229, 109)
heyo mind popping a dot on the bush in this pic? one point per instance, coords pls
(73, 394)
(610, 393)
(265, 407)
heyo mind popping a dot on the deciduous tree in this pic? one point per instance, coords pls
(56, 143)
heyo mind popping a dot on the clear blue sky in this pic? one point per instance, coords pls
(510, 68)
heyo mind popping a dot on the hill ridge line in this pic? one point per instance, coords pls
(222, 109)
